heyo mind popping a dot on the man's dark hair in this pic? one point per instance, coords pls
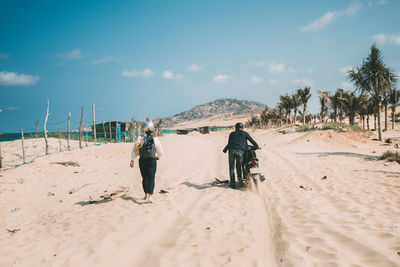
(239, 125)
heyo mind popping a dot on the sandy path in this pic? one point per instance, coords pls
(349, 219)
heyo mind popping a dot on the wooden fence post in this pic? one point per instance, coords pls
(86, 133)
(105, 133)
(109, 128)
(1, 158)
(23, 148)
(44, 128)
(36, 127)
(80, 130)
(68, 135)
(59, 139)
(94, 124)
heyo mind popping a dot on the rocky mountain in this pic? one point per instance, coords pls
(225, 108)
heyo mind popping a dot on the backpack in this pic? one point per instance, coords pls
(148, 149)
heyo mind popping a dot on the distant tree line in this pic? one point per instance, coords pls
(374, 92)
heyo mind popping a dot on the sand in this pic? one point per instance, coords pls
(349, 218)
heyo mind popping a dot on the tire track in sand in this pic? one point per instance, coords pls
(308, 230)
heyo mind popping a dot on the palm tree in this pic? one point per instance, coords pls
(394, 98)
(304, 96)
(336, 104)
(352, 104)
(324, 98)
(286, 102)
(375, 78)
(295, 105)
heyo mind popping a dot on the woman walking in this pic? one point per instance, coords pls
(149, 149)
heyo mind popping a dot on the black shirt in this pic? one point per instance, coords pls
(238, 141)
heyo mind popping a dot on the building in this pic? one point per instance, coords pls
(112, 130)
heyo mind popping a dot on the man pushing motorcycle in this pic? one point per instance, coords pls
(237, 145)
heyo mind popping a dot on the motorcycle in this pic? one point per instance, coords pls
(251, 167)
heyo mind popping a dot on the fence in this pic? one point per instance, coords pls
(24, 146)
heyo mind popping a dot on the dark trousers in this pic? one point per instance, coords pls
(235, 155)
(148, 169)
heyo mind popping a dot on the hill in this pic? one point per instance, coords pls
(220, 109)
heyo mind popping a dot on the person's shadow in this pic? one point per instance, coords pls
(221, 184)
(134, 200)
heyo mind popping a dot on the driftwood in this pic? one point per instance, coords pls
(94, 123)
(13, 231)
(23, 148)
(59, 139)
(76, 189)
(1, 158)
(86, 133)
(36, 128)
(67, 163)
(163, 191)
(44, 128)
(110, 196)
(80, 130)
(68, 127)
(307, 188)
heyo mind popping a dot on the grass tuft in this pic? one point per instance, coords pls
(390, 156)
(336, 126)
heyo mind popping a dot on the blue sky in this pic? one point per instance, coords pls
(158, 58)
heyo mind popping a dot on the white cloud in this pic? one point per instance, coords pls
(271, 81)
(382, 2)
(309, 70)
(327, 18)
(303, 82)
(74, 54)
(169, 75)
(379, 38)
(398, 74)
(255, 79)
(259, 64)
(222, 78)
(194, 68)
(395, 39)
(345, 70)
(387, 38)
(60, 64)
(4, 56)
(370, 4)
(279, 68)
(352, 9)
(146, 73)
(347, 85)
(13, 78)
(1, 110)
(330, 17)
(103, 60)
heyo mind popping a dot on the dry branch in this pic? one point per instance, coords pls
(44, 128)
(67, 163)
(110, 196)
(76, 189)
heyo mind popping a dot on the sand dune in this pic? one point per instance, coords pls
(350, 218)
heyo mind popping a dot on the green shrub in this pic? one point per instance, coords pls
(336, 126)
(390, 156)
(308, 128)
